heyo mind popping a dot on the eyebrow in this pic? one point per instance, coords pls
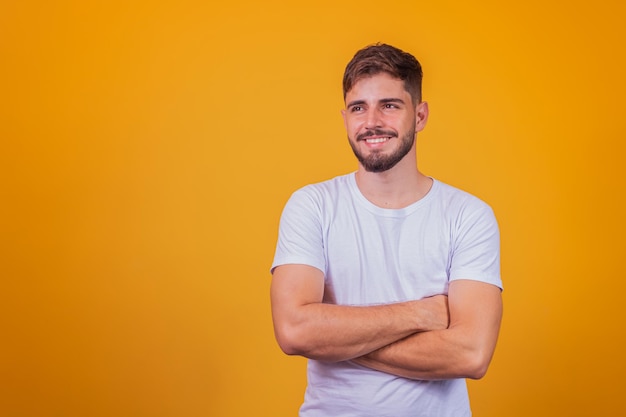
(381, 101)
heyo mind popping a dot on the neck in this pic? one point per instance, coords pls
(395, 188)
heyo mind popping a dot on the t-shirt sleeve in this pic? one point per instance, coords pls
(476, 253)
(300, 238)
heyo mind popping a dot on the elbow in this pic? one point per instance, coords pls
(476, 364)
(294, 340)
(286, 344)
(289, 348)
(477, 372)
(289, 341)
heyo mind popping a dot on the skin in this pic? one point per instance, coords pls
(439, 337)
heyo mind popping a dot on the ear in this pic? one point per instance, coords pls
(343, 114)
(421, 115)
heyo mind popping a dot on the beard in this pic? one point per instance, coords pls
(377, 161)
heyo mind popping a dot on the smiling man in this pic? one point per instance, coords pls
(386, 279)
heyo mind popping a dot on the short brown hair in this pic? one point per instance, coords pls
(377, 58)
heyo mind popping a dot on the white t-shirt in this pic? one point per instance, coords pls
(370, 255)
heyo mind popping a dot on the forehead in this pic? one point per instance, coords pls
(381, 85)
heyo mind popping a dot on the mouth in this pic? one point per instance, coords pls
(377, 139)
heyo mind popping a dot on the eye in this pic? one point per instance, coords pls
(354, 109)
(391, 106)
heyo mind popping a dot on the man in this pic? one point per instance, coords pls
(386, 279)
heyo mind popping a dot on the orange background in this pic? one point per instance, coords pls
(148, 149)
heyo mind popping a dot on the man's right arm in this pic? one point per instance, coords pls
(306, 326)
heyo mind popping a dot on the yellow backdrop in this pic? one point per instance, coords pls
(148, 149)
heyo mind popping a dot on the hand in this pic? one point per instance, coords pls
(432, 313)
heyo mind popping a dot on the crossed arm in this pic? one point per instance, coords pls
(433, 338)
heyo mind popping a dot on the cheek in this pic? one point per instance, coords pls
(352, 126)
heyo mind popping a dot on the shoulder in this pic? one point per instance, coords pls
(324, 192)
(464, 211)
(456, 200)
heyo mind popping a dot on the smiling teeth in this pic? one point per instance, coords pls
(376, 140)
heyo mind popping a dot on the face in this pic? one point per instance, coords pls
(382, 121)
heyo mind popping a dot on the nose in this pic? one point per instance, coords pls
(373, 119)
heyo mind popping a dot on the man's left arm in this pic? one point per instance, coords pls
(463, 350)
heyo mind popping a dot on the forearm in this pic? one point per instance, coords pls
(306, 326)
(463, 350)
(431, 355)
(334, 333)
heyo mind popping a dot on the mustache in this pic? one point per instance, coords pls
(376, 132)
